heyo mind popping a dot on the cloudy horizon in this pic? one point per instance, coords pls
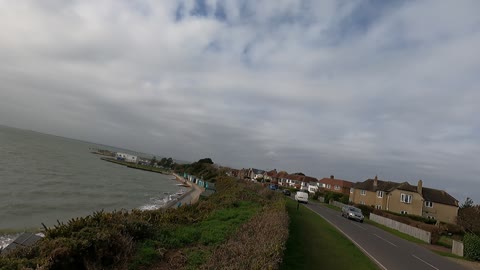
(346, 88)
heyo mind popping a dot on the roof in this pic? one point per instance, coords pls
(24, 240)
(257, 171)
(272, 173)
(295, 177)
(438, 196)
(282, 174)
(339, 182)
(429, 194)
(381, 185)
(309, 179)
(407, 187)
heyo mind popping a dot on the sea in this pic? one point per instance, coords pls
(49, 179)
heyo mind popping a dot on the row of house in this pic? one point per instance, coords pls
(398, 197)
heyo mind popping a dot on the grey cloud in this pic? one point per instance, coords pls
(323, 87)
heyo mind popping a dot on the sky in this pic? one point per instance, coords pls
(346, 88)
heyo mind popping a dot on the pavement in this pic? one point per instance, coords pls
(388, 251)
(190, 197)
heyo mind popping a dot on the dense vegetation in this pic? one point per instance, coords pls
(204, 168)
(241, 226)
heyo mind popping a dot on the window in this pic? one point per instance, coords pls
(362, 203)
(406, 198)
(351, 190)
(428, 204)
(378, 207)
(430, 217)
(404, 212)
(328, 186)
(380, 194)
(336, 187)
(363, 192)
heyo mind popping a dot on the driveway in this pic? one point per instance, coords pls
(388, 251)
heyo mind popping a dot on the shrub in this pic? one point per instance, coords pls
(255, 245)
(366, 210)
(453, 229)
(471, 243)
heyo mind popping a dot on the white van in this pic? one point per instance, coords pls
(301, 196)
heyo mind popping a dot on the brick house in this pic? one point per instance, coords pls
(404, 198)
(336, 185)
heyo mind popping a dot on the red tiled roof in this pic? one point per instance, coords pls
(282, 174)
(272, 173)
(338, 182)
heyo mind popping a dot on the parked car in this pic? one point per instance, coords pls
(354, 213)
(273, 186)
(286, 192)
(301, 196)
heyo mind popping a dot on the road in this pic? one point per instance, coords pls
(390, 252)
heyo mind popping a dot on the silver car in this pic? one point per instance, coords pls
(351, 212)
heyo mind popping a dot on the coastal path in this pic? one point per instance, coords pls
(190, 197)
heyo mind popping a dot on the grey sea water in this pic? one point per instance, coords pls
(45, 178)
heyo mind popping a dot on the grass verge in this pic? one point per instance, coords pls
(314, 244)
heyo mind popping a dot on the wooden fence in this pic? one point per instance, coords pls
(404, 228)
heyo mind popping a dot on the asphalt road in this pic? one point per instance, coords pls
(387, 250)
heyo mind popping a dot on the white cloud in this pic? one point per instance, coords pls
(324, 87)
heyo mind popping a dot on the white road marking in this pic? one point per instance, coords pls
(353, 241)
(385, 240)
(361, 227)
(425, 262)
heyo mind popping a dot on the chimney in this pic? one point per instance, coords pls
(332, 177)
(420, 187)
(375, 181)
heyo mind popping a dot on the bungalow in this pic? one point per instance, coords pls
(404, 198)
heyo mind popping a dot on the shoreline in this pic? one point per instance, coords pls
(190, 197)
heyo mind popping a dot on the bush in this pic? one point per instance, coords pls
(471, 243)
(366, 210)
(143, 239)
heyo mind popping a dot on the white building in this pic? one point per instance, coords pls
(313, 187)
(126, 157)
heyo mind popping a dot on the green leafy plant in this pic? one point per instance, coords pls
(471, 243)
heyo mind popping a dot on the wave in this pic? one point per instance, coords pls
(160, 202)
(5, 240)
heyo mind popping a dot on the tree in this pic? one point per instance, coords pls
(299, 173)
(205, 160)
(169, 163)
(467, 204)
(153, 161)
(469, 216)
(162, 162)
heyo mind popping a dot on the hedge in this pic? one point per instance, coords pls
(471, 244)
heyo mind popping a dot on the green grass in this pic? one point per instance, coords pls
(445, 241)
(395, 232)
(314, 244)
(214, 230)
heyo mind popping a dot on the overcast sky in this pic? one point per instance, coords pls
(350, 88)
